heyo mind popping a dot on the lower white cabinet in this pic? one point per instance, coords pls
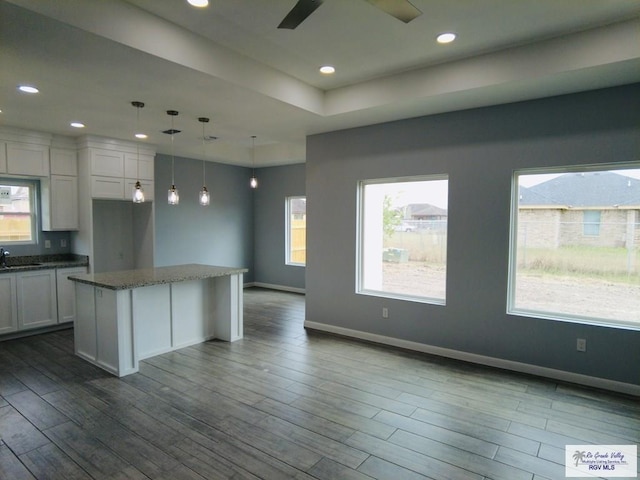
(37, 299)
(67, 293)
(8, 304)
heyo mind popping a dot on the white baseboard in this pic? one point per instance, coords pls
(272, 286)
(570, 377)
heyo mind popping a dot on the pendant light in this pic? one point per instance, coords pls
(204, 197)
(253, 183)
(173, 197)
(138, 193)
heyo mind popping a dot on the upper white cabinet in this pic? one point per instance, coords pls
(141, 169)
(112, 168)
(63, 162)
(27, 159)
(59, 203)
(107, 163)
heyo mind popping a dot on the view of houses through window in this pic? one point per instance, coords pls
(403, 238)
(576, 245)
(296, 228)
(17, 215)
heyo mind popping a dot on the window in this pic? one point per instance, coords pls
(576, 246)
(591, 222)
(17, 212)
(403, 238)
(296, 228)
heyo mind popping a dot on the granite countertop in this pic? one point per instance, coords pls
(27, 263)
(129, 279)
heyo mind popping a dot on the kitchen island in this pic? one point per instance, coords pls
(126, 316)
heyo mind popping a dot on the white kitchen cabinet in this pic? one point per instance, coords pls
(67, 293)
(106, 163)
(107, 187)
(36, 294)
(27, 159)
(138, 169)
(3, 157)
(8, 305)
(63, 162)
(59, 203)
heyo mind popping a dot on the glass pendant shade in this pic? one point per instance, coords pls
(138, 193)
(173, 196)
(204, 197)
(253, 182)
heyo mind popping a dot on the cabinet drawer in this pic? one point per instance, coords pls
(27, 159)
(107, 187)
(107, 163)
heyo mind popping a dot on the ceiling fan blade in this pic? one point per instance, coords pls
(299, 13)
(401, 9)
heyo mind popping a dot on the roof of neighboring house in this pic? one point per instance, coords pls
(424, 209)
(585, 189)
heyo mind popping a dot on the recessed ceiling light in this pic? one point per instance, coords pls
(198, 3)
(77, 124)
(327, 70)
(447, 37)
(28, 89)
(141, 136)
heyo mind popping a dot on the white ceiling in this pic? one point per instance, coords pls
(229, 62)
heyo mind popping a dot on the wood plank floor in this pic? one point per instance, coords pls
(286, 403)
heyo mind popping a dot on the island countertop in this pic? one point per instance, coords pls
(130, 279)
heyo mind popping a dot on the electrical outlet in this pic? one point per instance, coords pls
(47, 244)
(63, 242)
(385, 312)
(581, 344)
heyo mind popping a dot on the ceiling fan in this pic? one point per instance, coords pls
(400, 9)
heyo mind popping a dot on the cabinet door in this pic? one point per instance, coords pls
(107, 163)
(37, 304)
(64, 203)
(107, 187)
(138, 170)
(67, 293)
(8, 307)
(27, 159)
(63, 162)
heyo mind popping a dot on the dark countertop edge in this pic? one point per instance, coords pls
(89, 279)
(45, 264)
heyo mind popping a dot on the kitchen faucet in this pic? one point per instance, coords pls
(3, 258)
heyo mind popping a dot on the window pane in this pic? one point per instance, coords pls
(577, 242)
(17, 218)
(403, 238)
(296, 231)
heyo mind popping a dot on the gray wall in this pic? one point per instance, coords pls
(220, 234)
(478, 149)
(275, 184)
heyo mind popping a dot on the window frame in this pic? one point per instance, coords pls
(360, 239)
(33, 207)
(288, 230)
(511, 309)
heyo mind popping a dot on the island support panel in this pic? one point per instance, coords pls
(114, 329)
